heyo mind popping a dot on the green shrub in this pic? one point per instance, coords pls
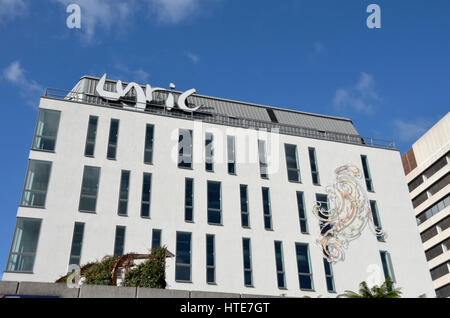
(100, 273)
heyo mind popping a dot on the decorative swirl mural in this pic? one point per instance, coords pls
(346, 215)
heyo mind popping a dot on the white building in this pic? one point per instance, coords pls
(106, 177)
(427, 169)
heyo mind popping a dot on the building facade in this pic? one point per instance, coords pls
(427, 169)
(239, 193)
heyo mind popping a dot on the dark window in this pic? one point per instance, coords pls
(189, 200)
(421, 198)
(443, 292)
(77, 243)
(148, 151)
(214, 203)
(185, 148)
(366, 170)
(123, 192)
(272, 116)
(36, 183)
(209, 152)
(322, 200)
(329, 275)
(246, 249)
(292, 163)
(210, 260)
(119, 241)
(89, 189)
(46, 130)
(267, 209)
(183, 257)
(376, 219)
(434, 209)
(281, 281)
(245, 216)
(146, 194)
(262, 159)
(156, 238)
(314, 167)
(304, 267)
(438, 165)
(440, 271)
(91, 136)
(434, 252)
(231, 148)
(387, 266)
(302, 213)
(112, 141)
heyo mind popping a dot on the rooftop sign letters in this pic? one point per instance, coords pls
(143, 97)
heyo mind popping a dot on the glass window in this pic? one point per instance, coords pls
(246, 248)
(387, 265)
(185, 148)
(123, 193)
(146, 191)
(89, 189)
(329, 275)
(189, 200)
(440, 271)
(183, 257)
(156, 238)
(314, 167)
(148, 151)
(36, 183)
(209, 152)
(24, 245)
(46, 130)
(302, 213)
(112, 141)
(119, 241)
(267, 209)
(304, 267)
(292, 163)
(91, 136)
(322, 199)
(281, 281)
(214, 203)
(210, 260)
(77, 243)
(376, 219)
(262, 159)
(231, 147)
(367, 175)
(245, 216)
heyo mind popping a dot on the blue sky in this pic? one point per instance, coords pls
(309, 55)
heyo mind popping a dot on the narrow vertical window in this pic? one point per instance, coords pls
(123, 192)
(267, 209)
(231, 154)
(146, 191)
(77, 243)
(322, 201)
(245, 216)
(156, 238)
(24, 245)
(281, 280)
(302, 213)
(262, 159)
(314, 167)
(214, 203)
(209, 152)
(367, 175)
(189, 200)
(113, 137)
(210, 259)
(329, 275)
(89, 148)
(185, 149)
(46, 130)
(183, 257)
(387, 266)
(148, 151)
(119, 241)
(246, 250)
(304, 267)
(89, 189)
(376, 219)
(292, 163)
(36, 183)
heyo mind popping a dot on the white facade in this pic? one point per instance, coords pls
(362, 260)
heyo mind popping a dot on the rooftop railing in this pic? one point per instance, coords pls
(157, 107)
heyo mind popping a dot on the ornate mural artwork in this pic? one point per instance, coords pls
(347, 214)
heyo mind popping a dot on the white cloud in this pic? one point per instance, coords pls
(11, 9)
(360, 97)
(409, 131)
(128, 74)
(174, 11)
(193, 57)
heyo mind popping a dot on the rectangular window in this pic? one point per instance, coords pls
(376, 219)
(146, 191)
(245, 216)
(267, 209)
(91, 136)
(183, 257)
(148, 151)
(262, 159)
(36, 183)
(367, 175)
(156, 238)
(119, 241)
(123, 192)
(314, 167)
(329, 275)
(231, 150)
(46, 130)
(292, 163)
(113, 137)
(210, 260)
(209, 152)
(89, 189)
(281, 281)
(302, 213)
(304, 267)
(189, 200)
(24, 245)
(77, 243)
(185, 149)
(246, 249)
(322, 201)
(387, 266)
(214, 203)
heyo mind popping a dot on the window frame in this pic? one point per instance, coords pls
(35, 136)
(313, 163)
(115, 240)
(182, 264)
(71, 256)
(182, 164)
(36, 191)
(297, 165)
(87, 141)
(152, 142)
(209, 152)
(113, 145)
(244, 213)
(367, 177)
(310, 274)
(269, 209)
(231, 162)
(127, 193)
(90, 196)
(304, 219)
(186, 206)
(213, 252)
(250, 262)
(283, 270)
(149, 202)
(220, 203)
